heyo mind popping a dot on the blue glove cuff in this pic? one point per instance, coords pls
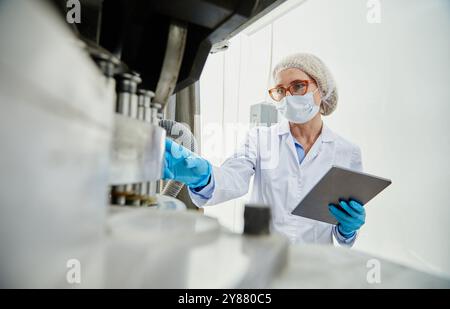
(345, 234)
(203, 182)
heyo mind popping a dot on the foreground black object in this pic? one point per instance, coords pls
(256, 219)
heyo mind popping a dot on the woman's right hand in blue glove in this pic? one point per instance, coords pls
(184, 166)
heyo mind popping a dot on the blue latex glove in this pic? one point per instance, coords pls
(351, 219)
(185, 166)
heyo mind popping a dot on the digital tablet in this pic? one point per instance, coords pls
(339, 183)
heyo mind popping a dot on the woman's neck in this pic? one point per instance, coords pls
(307, 133)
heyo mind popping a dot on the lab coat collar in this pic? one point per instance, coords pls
(327, 135)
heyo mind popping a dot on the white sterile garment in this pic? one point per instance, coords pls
(280, 181)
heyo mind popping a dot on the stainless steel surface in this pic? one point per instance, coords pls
(314, 266)
(137, 151)
(172, 62)
(56, 113)
(196, 251)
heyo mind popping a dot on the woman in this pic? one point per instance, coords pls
(287, 159)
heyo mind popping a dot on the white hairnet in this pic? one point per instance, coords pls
(317, 70)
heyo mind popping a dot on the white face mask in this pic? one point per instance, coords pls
(298, 108)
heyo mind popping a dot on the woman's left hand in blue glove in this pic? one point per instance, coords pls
(351, 216)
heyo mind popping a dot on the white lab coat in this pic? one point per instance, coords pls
(280, 181)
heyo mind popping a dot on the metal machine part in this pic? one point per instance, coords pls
(127, 98)
(132, 30)
(144, 114)
(155, 115)
(220, 47)
(184, 137)
(108, 63)
(150, 115)
(127, 84)
(172, 62)
(166, 84)
(160, 202)
(137, 151)
(127, 104)
(187, 111)
(134, 198)
(145, 99)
